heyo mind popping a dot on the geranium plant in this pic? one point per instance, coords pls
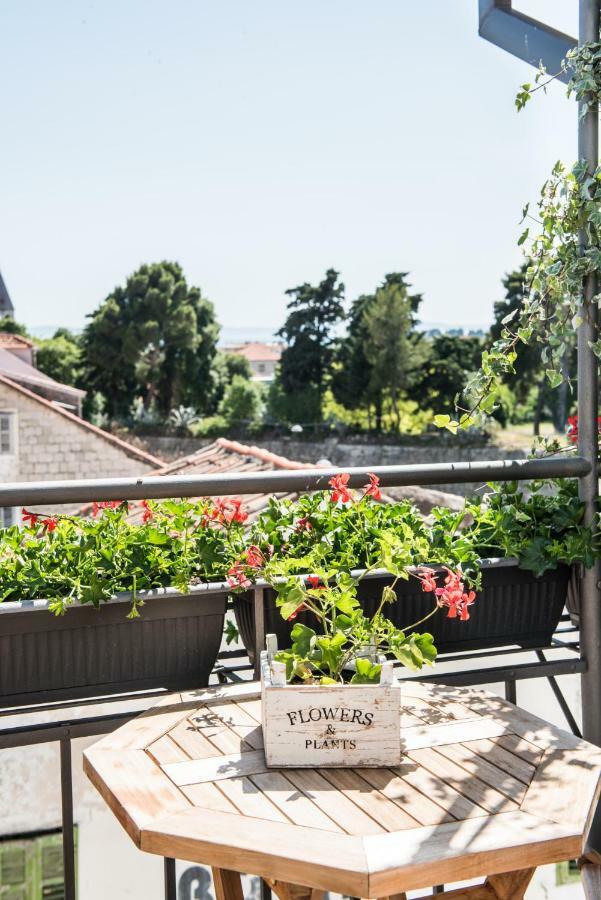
(347, 643)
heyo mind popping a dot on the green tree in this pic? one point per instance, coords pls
(394, 352)
(354, 383)
(314, 311)
(242, 402)
(60, 357)
(444, 373)
(11, 326)
(225, 367)
(154, 337)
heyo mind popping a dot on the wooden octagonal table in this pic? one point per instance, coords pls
(483, 790)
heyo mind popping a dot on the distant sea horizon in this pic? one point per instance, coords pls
(231, 335)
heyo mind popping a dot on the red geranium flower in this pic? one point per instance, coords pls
(315, 583)
(572, 432)
(148, 514)
(428, 579)
(228, 510)
(340, 491)
(29, 518)
(104, 504)
(454, 596)
(296, 612)
(49, 523)
(373, 488)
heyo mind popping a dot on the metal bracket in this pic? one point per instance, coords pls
(522, 36)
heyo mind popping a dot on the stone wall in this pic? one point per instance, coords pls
(352, 453)
(52, 446)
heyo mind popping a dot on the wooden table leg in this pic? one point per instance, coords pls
(286, 891)
(228, 885)
(510, 885)
(591, 880)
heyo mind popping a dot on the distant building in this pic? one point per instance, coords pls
(17, 362)
(6, 306)
(263, 358)
(40, 440)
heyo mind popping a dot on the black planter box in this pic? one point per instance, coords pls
(513, 607)
(89, 651)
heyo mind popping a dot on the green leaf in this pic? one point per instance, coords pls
(366, 672)
(554, 377)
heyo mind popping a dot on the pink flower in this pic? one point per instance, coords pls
(104, 504)
(237, 576)
(340, 491)
(148, 514)
(304, 524)
(454, 597)
(254, 557)
(427, 578)
(373, 488)
(228, 510)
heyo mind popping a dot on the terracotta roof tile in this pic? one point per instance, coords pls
(10, 341)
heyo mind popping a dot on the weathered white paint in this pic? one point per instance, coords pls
(329, 725)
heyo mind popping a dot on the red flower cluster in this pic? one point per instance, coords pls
(340, 491)
(373, 488)
(226, 510)
(453, 594)
(105, 504)
(572, 432)
(237, 577)
(48, 523)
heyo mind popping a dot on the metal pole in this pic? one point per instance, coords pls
(170, 882)
(67, 816)
(590, 622)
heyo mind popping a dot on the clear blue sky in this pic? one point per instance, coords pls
(259, 142)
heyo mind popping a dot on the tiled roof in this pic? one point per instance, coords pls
(10, 341)
(128, 449)
(254, 351)
(228, 456)
(6, 307)
(17, 369)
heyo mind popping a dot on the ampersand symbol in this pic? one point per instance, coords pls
(330, 730)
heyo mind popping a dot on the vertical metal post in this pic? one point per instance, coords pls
(590, 621)
(170, 883)
(259, 606)
(67, 817)
(511, 692)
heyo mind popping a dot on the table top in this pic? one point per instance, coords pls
(482, 788)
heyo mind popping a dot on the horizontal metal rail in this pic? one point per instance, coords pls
(34, 493)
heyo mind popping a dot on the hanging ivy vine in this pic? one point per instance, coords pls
(569, 203)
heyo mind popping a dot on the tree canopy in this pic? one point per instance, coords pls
(314, 311)
(153, 337)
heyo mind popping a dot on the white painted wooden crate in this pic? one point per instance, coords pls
(327, 725)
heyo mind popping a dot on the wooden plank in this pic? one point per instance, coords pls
(343, 811)
(477, 764)
(565, 788)
(276, 850)
(349, 782)
(457, 806)
(148, 727)
(503, 758)
(232, 765)
(520, 747)
(250, 800)
(246, 690)
(591, 881)
(192, 741)
(165, 750)
(424, 810)
(208, 796)
(450, 733)
(133, 786)
(434, 713)
(464, 850)
(215, 731)
(295, 805)
(472, 788)
(510, 885)
(240, 722)
(252, 708)
(285, 891)
(227, 884)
